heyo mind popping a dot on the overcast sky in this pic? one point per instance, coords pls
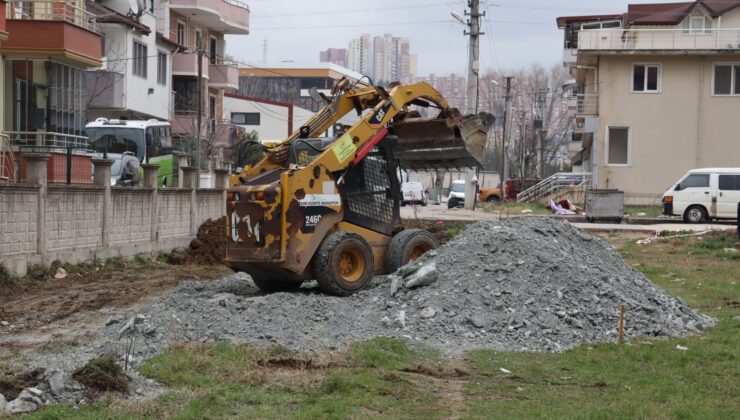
(517, 32)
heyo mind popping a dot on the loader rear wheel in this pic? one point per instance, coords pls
(343, 264)
(274, 285)
(406, 246)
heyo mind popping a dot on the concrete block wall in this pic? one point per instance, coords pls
(40, 223)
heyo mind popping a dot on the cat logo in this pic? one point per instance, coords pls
(379, 116)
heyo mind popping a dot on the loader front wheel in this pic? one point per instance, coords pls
(343, 264)
(273, 285)
(407, 246)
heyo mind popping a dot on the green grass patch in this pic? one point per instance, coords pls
(515, 208)
(644, 211)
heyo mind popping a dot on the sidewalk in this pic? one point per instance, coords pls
(441, 212)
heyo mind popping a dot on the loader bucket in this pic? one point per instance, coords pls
(438, 143)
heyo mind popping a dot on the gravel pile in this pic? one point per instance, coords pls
(524, 284)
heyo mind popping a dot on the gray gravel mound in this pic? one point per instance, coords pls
(524, 284)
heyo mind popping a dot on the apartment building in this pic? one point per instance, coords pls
(384, 58)
(337, 56)
(452, 86)
(135, 81)
(201, 25)
(656, 92)
(48, 46)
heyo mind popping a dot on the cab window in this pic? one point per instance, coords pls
(695, 181)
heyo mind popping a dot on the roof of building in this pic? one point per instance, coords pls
(657, 13)
(105, 14)
(564, 20)
(258, 100)
(330, 70)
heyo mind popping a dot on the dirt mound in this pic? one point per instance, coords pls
(102, 374)
(209, 246)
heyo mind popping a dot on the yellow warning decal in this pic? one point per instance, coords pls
(344, 149)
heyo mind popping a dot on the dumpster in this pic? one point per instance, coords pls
(604, 205)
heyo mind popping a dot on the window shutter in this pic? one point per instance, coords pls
(687, 24)
(707, 25)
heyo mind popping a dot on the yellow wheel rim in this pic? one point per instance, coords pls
(351, 265)
(418, 251)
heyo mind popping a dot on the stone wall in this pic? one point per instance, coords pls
(40, 223)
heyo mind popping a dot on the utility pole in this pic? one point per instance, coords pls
(199, 111)
(505, 162)
(471, 103)
(473, 55)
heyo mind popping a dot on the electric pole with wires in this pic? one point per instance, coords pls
(471, 104)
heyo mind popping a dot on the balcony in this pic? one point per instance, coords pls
(585, 104)
(52, 29)
(186, 64)
(223, 76)
(227, 16)
(676, 40)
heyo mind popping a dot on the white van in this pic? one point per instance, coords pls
(413, 193)
(457, 194)
(704, 194)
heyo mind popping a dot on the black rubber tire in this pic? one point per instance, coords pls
(492, 199)
(424, 203)
(403, 203)
(271, 285)
(400, 249)
(326, 263)
(688, 215)
(452, 203)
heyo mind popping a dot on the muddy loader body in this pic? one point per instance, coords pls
(327, 208)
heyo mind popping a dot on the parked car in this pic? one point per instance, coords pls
(457, 194)
(413, 193)
(704, 194)
(125, 171)
(513, 187)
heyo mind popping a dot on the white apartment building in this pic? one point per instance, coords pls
(135, 80)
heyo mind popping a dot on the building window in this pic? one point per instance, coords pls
(180, 35)
(646, 77)
(161, 68)
(245, 118)
(726, 79)
(697, 23)
(198, 39)
(618, 147)
(140, 59)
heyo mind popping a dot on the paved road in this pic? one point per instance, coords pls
(441, 212)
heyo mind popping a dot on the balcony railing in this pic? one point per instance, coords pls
(46, 139)
(659, 39)
(51, 10)
(586, 104)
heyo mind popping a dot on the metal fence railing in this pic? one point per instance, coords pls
(46, 139)
(53, 10)
(659, 39)
(66, 165)
(553, 184)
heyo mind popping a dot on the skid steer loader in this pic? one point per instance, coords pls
(327, 208)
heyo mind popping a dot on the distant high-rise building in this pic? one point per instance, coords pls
(337, 56)
(452, 87)
(384, 58)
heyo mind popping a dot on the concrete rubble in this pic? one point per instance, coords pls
(523, 284)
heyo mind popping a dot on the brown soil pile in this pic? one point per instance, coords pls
(209, 246)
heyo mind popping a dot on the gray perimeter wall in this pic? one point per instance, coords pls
(70, 223)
